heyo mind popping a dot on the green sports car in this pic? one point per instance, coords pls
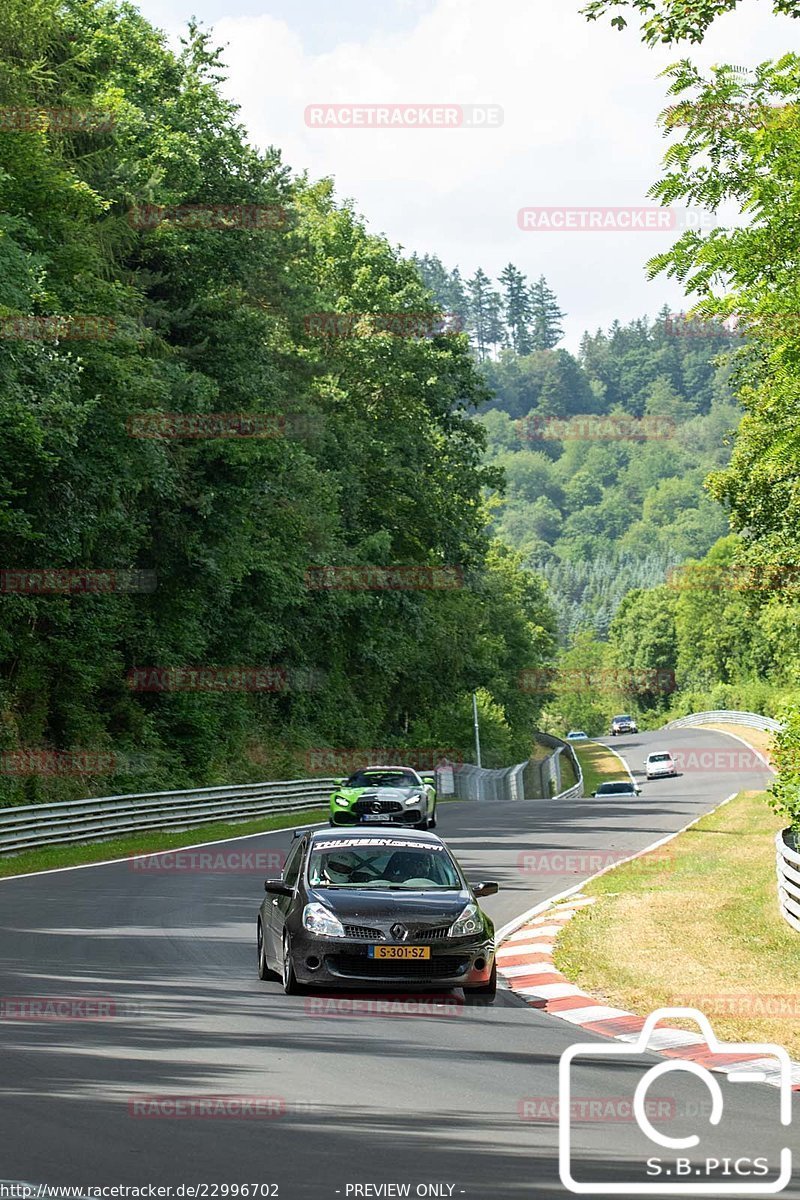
(385, 796)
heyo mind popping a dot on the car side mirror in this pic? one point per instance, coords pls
(429, 779)
(276, 887)
(594, 794)
(486, 889)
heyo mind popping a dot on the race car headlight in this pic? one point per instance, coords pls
(469, 922)
(319, 919)
(342, 801)
(413, 800)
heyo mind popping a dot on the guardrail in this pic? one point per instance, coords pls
(543, 778)
(29, 826)
(484, 783)
(725, 717)
(788, 868)
(26, 827)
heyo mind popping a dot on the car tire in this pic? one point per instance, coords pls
(484, 992)
(290, 985)
(432, 820)
(264, 971)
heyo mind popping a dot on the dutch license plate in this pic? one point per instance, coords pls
(399, 951)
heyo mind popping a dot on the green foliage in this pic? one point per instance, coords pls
(675, 20)
(581, 697)
(784, 794)
(521, 316)
(598, 515)
(209, 319)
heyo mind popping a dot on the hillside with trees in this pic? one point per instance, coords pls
(128, 222)
(603, 453)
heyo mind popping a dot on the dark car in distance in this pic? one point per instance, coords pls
(375, 908)
(620, 787)
(623, 724)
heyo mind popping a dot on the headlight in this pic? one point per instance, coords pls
(413, 800)
(319, 919)
(469, 922)
(342, 801)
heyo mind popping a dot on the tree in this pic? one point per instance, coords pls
(517, 309)
(675, 20)
(211, 310)
(479, 291)
(546, 316)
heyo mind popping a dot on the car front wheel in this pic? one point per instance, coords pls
(290, 985)
(263, 967)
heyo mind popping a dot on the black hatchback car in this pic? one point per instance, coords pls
(366, 908)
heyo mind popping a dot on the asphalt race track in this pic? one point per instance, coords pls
(432, 1097)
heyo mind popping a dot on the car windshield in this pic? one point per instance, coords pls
(394, 778)
(624, 717)
(659, 758)
(610, 789)
(382, 863)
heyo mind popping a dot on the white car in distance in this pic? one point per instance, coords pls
(660, 764)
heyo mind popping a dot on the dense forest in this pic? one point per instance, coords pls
(603, 453)
(177, 414)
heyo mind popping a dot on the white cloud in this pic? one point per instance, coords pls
(580, 103)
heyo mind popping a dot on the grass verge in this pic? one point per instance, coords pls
(152, 841)
(760, 739)
(598, 765)
(695, 923)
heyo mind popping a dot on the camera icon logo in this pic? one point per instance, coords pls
(683, 1176)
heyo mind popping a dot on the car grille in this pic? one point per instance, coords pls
(363, 932)
(390, 968)
(381, 806)
(436, 934)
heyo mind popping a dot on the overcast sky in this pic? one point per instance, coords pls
(579, 100)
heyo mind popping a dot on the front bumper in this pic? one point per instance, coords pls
(406, 816)
(345, 963)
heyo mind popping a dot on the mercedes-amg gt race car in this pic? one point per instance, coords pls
(375, 908)
(385, 796)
